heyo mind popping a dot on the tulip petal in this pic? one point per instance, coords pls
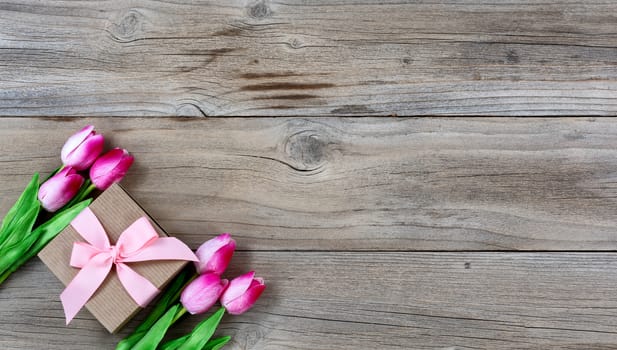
(211, 246)
(75, 140)
(202, 293)
(86, 153)
(221, 259)
(237, 287)
(59, 189)
(215, 254)
(110, 168)
(108, 161)
(241, 304)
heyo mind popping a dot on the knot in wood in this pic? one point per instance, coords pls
(259, 9)
(512, 57)
(296, 44)
(306, 150)
(129, 27)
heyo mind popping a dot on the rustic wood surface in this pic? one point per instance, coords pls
(296, 57)
(372, 233)
(356, 184)
(372, 300)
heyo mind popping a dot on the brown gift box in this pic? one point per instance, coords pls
(111, 304)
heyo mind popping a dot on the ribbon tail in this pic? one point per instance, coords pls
(163, 248)
(84, 285)
(139, 288)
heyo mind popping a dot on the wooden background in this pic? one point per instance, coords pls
(377, 221)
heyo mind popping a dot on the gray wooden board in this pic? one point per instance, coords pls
(356, 183)
(371, 232)
(371, 300)
(295, 57)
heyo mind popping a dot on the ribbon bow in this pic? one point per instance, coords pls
(139, 242)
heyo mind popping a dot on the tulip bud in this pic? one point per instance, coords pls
(242, 293)
(214, 255)
(81, 149)
(202, 293)
(110, 168)
(60, 189)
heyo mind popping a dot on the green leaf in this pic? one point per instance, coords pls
(199, 337)
(45, 233)
(128, 342)
(20, 218)
(203, 332)
(176, 343)
(15, 232)
(216, 344)
(50, 229)
(153, 337)
(11, 253)
(26, 196)
(169, 297)
(21, 227)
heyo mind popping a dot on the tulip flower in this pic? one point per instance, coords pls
(110, 168)
(202, 293)
(242, 293)
(82, 149)
(59, 189)
(214, 255)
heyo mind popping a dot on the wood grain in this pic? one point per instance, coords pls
(301, 58)
(357, 183)
(396, 300)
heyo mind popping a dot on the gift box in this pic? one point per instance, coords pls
(111, 304)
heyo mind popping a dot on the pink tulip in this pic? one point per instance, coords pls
(110, 168)
(214, 255)
(81, 149)
(60, 189)
(242, 293)
(202, 293)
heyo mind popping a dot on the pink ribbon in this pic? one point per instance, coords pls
(139, 242)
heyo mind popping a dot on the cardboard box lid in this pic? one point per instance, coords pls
(110, 304)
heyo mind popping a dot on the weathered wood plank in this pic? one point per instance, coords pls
(343, 300)
(357, 183)
(294, 57)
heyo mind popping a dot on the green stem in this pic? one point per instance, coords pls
(179, 314)
(87, 191)
(5, 275)
(84, 191)
(170, 297)
(179, 292)
(155, 334)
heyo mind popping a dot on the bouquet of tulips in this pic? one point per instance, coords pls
(197, 294)
(26, 229)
